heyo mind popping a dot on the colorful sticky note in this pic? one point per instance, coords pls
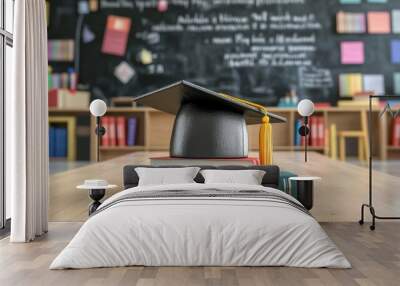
(162, 6)
(87, 35)
(347, 22)
(396, 21)
(374, 83)
(378, 22)
(352, 52)
(396, 83)
(145, 57)
(395, 45)
(350, 84)
(116, 35)
(83, 7)
(124, 72)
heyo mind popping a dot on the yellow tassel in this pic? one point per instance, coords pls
(265, 142)
(265, 136)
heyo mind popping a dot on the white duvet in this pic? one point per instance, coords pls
(200, 231)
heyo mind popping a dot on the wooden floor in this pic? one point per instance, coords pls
(338, 196)
(375, 257)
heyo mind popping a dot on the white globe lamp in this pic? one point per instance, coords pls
(98, 108)
(305, 108)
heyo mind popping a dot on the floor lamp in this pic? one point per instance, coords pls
(370, 136)
(305, 109)
(98, 108)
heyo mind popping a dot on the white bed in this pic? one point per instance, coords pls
(201, 231)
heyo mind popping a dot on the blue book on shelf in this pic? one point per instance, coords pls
(60, 142)
(52, 139)
(297, 136)
(132, 124)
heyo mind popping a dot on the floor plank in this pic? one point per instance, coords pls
(375, 257)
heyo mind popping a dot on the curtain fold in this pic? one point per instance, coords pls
(27, 124)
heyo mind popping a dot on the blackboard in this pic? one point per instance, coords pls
(256, 49)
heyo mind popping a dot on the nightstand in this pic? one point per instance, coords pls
(97, 190)
(305, 190)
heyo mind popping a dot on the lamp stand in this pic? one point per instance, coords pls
(370, 187)
(307, 131)
(304, 131)
(100, 131)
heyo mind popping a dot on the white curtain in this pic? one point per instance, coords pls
(27, 124)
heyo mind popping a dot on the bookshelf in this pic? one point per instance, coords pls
(70, 124)
(154, 129)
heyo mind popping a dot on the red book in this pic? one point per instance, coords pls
(314, 131)
(322, 105)
(321, 131)
(53, 98)
(112, 131)
(116, 35)
(105, 140)
(121, 131)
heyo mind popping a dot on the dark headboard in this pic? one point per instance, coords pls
(271, 177)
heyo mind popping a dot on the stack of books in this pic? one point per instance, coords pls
(120, 131)
(57, 141)
(317, 132)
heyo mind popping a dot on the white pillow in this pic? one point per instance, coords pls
(245, 177)
(166, 176)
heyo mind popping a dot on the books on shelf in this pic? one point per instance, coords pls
(105, 138)
(65, 80)
(163, 161)
(61, 50)
(57, 141)
(64, 98)
(112, 131)
(132, 126)
(317, 132)
(120, 131)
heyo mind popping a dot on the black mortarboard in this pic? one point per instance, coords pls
(207, 124)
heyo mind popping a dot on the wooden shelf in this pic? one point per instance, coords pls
(53, 110)
(393, 148)
(122, 148)
(310, 148)
(155, 127)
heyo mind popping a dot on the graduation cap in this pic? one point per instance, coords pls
(210, 124)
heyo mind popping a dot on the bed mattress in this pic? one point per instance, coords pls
(201, 225)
